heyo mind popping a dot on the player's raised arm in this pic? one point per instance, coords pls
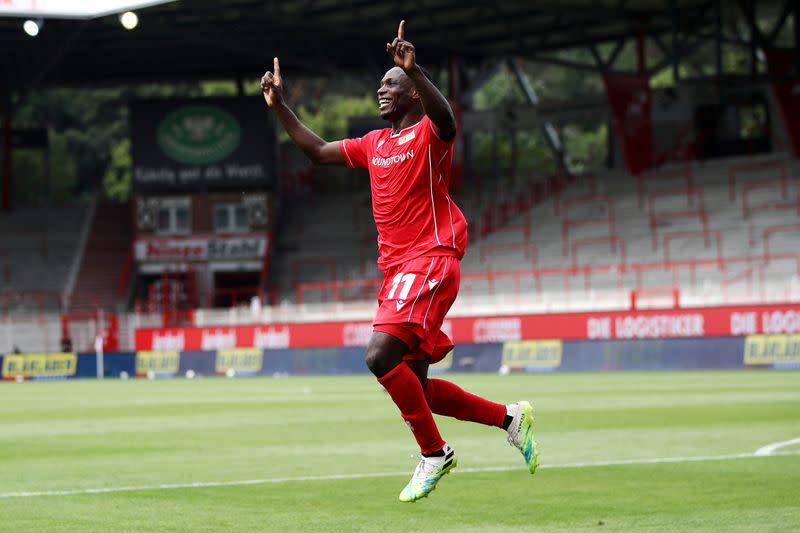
(435, 104)
(318, 150)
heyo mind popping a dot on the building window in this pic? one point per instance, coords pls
(164, 220)
(221, 218)
(231, 218)
(182, 220)
(174, 217)
(242, 220)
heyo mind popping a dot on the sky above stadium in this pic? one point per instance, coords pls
(71, 8)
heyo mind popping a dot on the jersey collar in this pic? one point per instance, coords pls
(392, 134)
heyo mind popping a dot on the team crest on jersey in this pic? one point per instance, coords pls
(407, 137)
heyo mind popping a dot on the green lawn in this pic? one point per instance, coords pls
(83, 435)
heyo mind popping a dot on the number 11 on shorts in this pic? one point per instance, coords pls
(407, 280)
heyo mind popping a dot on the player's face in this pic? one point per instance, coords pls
(395, 95)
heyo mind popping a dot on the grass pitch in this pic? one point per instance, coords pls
(332, 453)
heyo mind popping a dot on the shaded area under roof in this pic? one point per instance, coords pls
(192, 39)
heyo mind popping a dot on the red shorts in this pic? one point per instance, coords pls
(413, 301)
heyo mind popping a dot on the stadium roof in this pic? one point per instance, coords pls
(71, 8)
(192, 39)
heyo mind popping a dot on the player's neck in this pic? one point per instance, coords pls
(408, 120)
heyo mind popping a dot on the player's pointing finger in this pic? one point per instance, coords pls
(401, 30)
(277, 68)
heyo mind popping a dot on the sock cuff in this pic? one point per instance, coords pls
(392, 373)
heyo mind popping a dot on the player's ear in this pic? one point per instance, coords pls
(415, 95)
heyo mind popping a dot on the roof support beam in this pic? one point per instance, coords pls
(548, 130)
(612, 58)
(676, 47)
(718, 66)
(685, 49)
(563, 63)
(781, 21)
(796, 15)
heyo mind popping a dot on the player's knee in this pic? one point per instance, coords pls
(373, 360)
(384, 352)
(376, 361)
(381, 360)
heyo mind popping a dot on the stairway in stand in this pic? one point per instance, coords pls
(103, 260)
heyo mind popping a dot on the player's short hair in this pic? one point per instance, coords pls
(426, 73)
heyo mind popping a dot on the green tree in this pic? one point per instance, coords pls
(117, 179)
(88, 133)
(329, 118)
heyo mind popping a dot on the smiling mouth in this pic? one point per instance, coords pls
(383, 102)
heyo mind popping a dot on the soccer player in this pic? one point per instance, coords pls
(422, 236)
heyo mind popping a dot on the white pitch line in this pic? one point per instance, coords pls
(769, 449)
(336, 477)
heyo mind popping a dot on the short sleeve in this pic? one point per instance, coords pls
(355, 151)
(441, 151)
(435, 138)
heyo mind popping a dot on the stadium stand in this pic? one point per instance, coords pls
(38, 247)
(709, 233)
(106, 252)
(720, 231)
(338, 242)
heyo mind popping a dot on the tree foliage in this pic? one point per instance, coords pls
(90, 138)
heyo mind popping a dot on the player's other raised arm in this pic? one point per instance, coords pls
(317, 149)
(435, 104)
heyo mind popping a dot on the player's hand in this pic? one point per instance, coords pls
(272, 85)
(402, 51)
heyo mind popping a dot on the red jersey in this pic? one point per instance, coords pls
(409, 173)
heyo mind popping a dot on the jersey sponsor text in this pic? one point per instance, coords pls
(387, 161)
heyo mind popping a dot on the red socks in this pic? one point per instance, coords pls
(448, 399)
(443, 398)
(405, 389)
